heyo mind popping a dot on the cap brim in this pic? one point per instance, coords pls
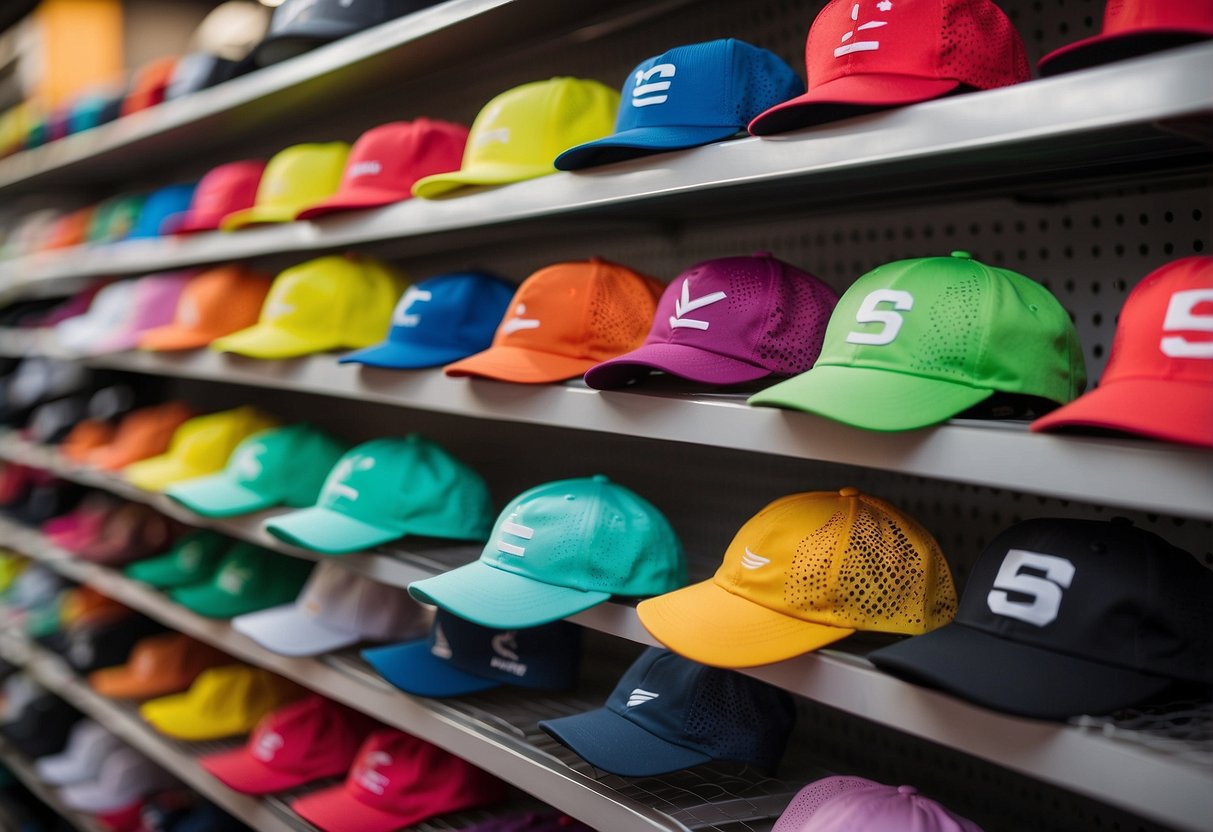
(677, 360)
(242, 772)
(506, 363)
(354, 199)
(207, 600)
(1169, 410)
(847, 96)
(288, 631)
(94, 798)
(430, 187)
(336, 810)
(330, 532)
(502, 600)
(393, 355)
(642, 141)
(258, 214)
(160, 572)
(1104, 49)
(218, 496)
(619, 746)
(269, 342)
(1013, 677)
(61, 770)
(413, 668)
(872, 399)
(119, 683)
(171, 338)
(710, 625)
(159, 472)
(173, 717)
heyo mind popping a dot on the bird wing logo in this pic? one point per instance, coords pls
(639, 696)
(685, 304)
(648, 92)
(752, 561)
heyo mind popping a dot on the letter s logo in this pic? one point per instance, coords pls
(1181, 316)
(869, 314)
(1046, 592)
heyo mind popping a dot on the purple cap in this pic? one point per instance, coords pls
(153, 304)
(729, 321)
(853, 804)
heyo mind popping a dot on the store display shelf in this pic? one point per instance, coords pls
(22, 769)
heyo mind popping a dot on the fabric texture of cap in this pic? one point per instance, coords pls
(142, 433)
(130, 532)
(222, 702)
(440, 320)
(212, 304)
(200, 446)
(667, 714)
(388, 488)
(87, 747)
(153, 304)
(460, 658)
(915, 342)
(294, 178)
(224, 190)
(325, 304)
(1069, 617)
(108, 642)
(311, 739)
(157, 666)
(729, 321)
(123, 776)
(301, 25)
(866, 56)
(387, 160)
(279, 466)
(1159, 378)
(43, 727)
(398, 780)
(519, 134)
(786, 585)
(558, 549)
(336, 608)
(689, 96)
(846, 804)
(1132, 28)
(159, 206)
(563, 320)
(110, 309)
(249, 579)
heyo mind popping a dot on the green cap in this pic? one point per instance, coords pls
(385, 489)
(915, 342)
(41, 621)
(558, 549)
(114, 218)
(249, 579)
(192, 560)
(280, 466)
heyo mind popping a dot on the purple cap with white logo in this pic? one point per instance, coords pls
(850, 804)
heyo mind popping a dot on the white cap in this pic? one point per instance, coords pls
(109, 311)
(19, 691)
(124, 776)
(35, 586)
(87, 747)
(232, 29)
(337, 608)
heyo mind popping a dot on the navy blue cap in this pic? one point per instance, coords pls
(669, 713)
(459, 658)
(159, 206)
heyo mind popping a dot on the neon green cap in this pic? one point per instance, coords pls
(192, 560)
(249, 579)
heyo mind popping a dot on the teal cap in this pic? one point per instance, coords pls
(388, 488)
(249, 579)
(43, 620)
(193, 559)
(280, 466)
(559, 549)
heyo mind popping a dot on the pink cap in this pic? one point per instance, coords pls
(153, 304)
(853, 804)
(729, 321)
(82, 525)
(225, 189)
(131, 532)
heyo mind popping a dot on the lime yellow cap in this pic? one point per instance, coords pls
(222, 702)
(200, 446)
(299, 176)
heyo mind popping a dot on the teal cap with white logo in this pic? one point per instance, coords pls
(192, 560)
(249, 579)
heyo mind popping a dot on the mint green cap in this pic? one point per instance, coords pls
(558, 549)
(193, 559)
(114, 218)
(250, 578)
(915, 342)
(43, 620)
(388, 488)
(279, 466)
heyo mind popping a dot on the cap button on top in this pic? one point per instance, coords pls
(907, 790)
(848, 492)
(763, 254)
(600, 478)
(962, 255)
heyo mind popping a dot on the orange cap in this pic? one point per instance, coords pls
(67, 231)
(564, 319)
(150, 84)
(84, 438)
(142, 433)
(83, 606)
(216, 302)
(158, 666)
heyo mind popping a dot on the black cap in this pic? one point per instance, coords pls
(1068, 617)
(44, 500)
(50, 423)
(301, 25)
(107, 643)
(43, 727)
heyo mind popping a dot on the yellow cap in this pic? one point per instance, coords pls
(519, 134)
(199, 447)
(325, 304)
(222, 702)
(11, 565)
(806, 571)
(295, 178)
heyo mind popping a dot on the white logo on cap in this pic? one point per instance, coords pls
(518, 322)
(369, 778)
(868, 313)
(639, 696)
(278, 309)
(249, 466)
(514, 530)
(413, 295)
(267, 745)
(344, 469)
(1181, 315)
(190, 555)
(504, 645)
(232, 579)
(441, 647)
(81, 652)
(500, 135)
(752, 561)
(189, 313)
(368, 168)
(684, 304)
(1044, 594)
(648, 92)
(849, 45)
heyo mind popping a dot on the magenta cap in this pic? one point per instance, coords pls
(154, 304)
(854, 804)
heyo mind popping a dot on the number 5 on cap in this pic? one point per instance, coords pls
(869, 314)
(1045, 593)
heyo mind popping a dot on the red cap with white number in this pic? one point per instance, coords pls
(1159, 378)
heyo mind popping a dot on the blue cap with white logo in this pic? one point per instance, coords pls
(159, 206)
(668, 713)
(460, 658)
(687, 97)
(440, 320)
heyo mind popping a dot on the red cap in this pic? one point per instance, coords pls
(307, 740)
(225, 189)
(865, 55)
(150, 85)
(399, 780)
(131, 532)
(1159, 378)
(386, 161)
(1135, 27)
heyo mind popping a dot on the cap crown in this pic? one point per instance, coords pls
(351, 603)
(1130, 15)
(248, 571)
(391, 157)
(354, 14)
(312, 736)
(537, 657)
(842, 804)
(172, 655)
(226, 189)
(287, 464)
(302, 174)
(159, 206)
(247, 693)
(88, 745)
(451, 310)
(155, 300)
(222, 300)
(111, 308)
(205, 442)
(145, 432)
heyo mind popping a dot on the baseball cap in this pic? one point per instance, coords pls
(231, 30)
(153, 301)
(43, 726)
(311, 739)
(460, 658)
(563, 320)
(388, 488)
(301, 25)
(35, 586)
(157, 666)
(69, 230)
(222, 702)
(333, 302)
(386, 161)
(294, 178)
(440, 320)
(1065, 617)
(143, 433)
(867, 56)
(82, 525)
(84, 606)
(846, 804)
(249, 578)
(558, 549)
(85, 437)
(689, 96)
(199, 446)
(159, 206)
(149, 85)
(786, 585)
(19, 691)
(729, 321)
(198, 71)
(212, 304)
(88, 744)
(520, 132)
(224, 190)
(1132, 28)
(124, 776)
(115, 218)
(667, 714)
(1160, 369)
(108, 642)
(110, 309)
(398, 780)
(130, 532)
(915, 342)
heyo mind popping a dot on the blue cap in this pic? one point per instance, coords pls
(87, 113)
(687, 97)
(459, 658)
(159, 206)
(440, 320)
(668, 713)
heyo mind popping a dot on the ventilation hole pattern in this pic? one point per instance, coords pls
(733, 717)
(622, 306)
(945, 348)
(796, 325)
(981, 47)
(813, 796)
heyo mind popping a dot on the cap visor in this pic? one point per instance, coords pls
(218, 496)
(161, 572)
(1104, 49)
(619, 746)
(353, 199)
(172, 338)
(503, 600)
(328, 531)
(710, 625)
(268, 342)
(676, 359)
(1167, 410)
(642, 141)
(336, 810)
(442, 183)
(208, 601)
(159, 472)
(393, 355)
(240, 771)
(173, 717)
(1013, 677)
(872, 399)
(95, 798)
(515, 364)
(288, 631)
(413, 668)
(258, 214)
(846, 96)
(119, 683)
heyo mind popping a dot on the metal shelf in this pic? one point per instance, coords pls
(23, 770)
